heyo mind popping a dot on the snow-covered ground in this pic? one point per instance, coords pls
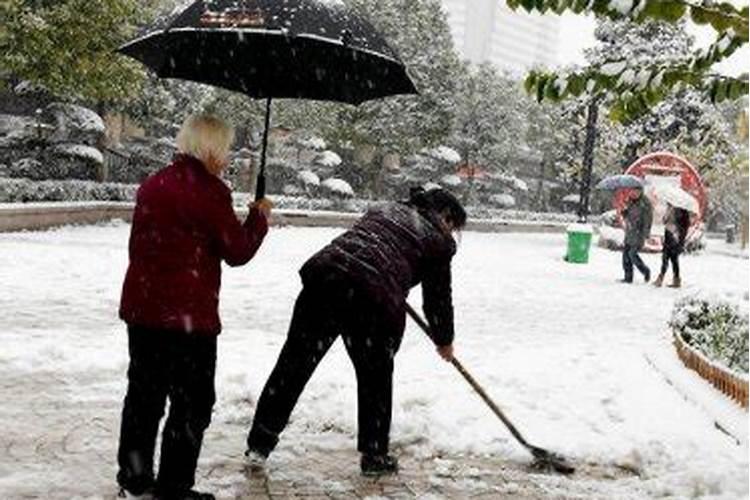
(580, 363)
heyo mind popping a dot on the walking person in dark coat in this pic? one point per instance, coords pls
(638, 217)
(184, 226)
(356, 287)
(676, 225)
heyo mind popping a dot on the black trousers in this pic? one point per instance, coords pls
(670, 253)
(181, 367)
(630, 257)
(324, 311)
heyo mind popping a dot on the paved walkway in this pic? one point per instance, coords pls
(56, 438)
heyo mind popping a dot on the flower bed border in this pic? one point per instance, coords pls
(730, 383)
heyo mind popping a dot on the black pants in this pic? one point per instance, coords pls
(165, 364)
(630, 257)
(670, 253)
(322, 313)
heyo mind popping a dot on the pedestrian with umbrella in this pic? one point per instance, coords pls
(637, 217)
(676, 224)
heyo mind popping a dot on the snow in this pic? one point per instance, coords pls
(581, 364)
(338, 186)
(313, 143)
(444, 153)
(613, 68)
(328, 159)
(579, 228)
(81, 151)
(503, 200)
(450, 180)
(622, 6)
(308, 178)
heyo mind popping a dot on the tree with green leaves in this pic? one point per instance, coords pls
(489, 117)
(639, 85)
(67, 46)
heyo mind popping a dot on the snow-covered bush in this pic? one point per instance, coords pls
(337, 187)
(328, 159)
(75, 124)
(503, 200)
(25, 191)
(715, 326)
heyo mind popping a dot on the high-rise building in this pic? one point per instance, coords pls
(488, 31)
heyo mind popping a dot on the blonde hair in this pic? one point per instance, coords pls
(207, 138)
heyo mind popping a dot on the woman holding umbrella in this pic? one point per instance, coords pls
(183, 228)
(676, 224)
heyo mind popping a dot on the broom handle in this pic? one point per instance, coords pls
(472, 382)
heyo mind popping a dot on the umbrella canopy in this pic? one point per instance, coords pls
(677, 197)
(616, 182)
(306, 49)
(311, 49)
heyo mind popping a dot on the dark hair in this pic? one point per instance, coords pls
(440, 201)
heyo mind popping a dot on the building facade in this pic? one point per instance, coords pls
(488, 31)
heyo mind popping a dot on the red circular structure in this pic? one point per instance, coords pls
(665, 168)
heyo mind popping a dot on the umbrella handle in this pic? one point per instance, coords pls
(260, 185)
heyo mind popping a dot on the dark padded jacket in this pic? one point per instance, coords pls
(391, 249)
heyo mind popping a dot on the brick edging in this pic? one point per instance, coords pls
(725, 380)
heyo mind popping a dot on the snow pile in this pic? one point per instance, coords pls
(714, 325)
(328, 159)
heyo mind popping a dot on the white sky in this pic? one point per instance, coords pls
(577, 33)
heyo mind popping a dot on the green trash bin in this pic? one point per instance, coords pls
(579, 243)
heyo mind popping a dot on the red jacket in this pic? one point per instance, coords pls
(183, 227)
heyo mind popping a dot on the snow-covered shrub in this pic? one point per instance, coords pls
(715, 326)
(503, 200)
(29, 168)
(443, 153)
(71, 161)
(328, 159)
(75, 124)
(451, 180)
(308, 178)
(279, 173)
(337, 187)
(25, 191)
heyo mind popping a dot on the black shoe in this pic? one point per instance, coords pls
(184, 495)
(147, 494)
(647, 276)
(625, 280)
(378, 465)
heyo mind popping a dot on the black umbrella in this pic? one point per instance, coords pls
(308, 49)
